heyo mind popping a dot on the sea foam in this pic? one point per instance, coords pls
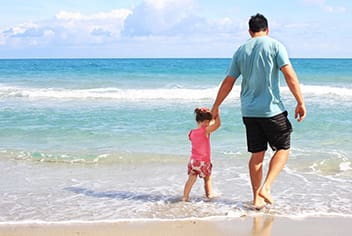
(192, 94)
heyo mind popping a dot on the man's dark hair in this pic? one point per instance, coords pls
(258, 23)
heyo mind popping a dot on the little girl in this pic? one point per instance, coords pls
(200, 163)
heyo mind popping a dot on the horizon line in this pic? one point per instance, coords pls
(134, 58)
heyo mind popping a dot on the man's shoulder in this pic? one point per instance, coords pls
(264, 40)
(270, 40)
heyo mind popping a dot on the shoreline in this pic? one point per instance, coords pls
(262, 224)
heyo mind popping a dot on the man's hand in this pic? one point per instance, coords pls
(300, 112)
(215, 112)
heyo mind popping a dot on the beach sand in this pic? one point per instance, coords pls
(261, 225)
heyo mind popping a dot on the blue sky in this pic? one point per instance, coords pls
(168, 28)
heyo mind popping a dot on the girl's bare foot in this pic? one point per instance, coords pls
(185, 199)
(212, 196)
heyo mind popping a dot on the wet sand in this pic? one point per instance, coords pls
(263, 225)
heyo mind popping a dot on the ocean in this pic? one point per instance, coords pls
(107, 140)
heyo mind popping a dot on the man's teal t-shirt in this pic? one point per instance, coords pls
(259, 61)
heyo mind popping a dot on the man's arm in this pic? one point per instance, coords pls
(293, 84)
(224, 90)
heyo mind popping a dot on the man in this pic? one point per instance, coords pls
(259, 62)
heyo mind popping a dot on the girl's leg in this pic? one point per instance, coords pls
(208, 187)
(188, 186)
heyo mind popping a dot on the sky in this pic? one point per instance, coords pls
(169, 28)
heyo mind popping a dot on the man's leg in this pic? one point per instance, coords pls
(256, 173)
(277, 163)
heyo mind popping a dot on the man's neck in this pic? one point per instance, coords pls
(259, 34)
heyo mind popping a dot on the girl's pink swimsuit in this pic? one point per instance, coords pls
(200, 144)
(199, 163)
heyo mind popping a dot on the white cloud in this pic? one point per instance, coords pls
(67, 28)
(173, 27)
(21, 29)
(77, 16)
(160, 28)
(175, 18)
(325, 6)
(162, 4)
(63, 15)
(161, 17)
(101, 32)
(333, 9)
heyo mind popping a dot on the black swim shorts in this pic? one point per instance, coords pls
(275, 131)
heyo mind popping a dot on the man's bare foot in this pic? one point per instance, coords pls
(185, 199)
(266, 195)
(257, 208)
(258, 203)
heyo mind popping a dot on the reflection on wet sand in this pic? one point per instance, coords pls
(262, 225)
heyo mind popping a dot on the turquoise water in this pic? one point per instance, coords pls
(107, 139)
